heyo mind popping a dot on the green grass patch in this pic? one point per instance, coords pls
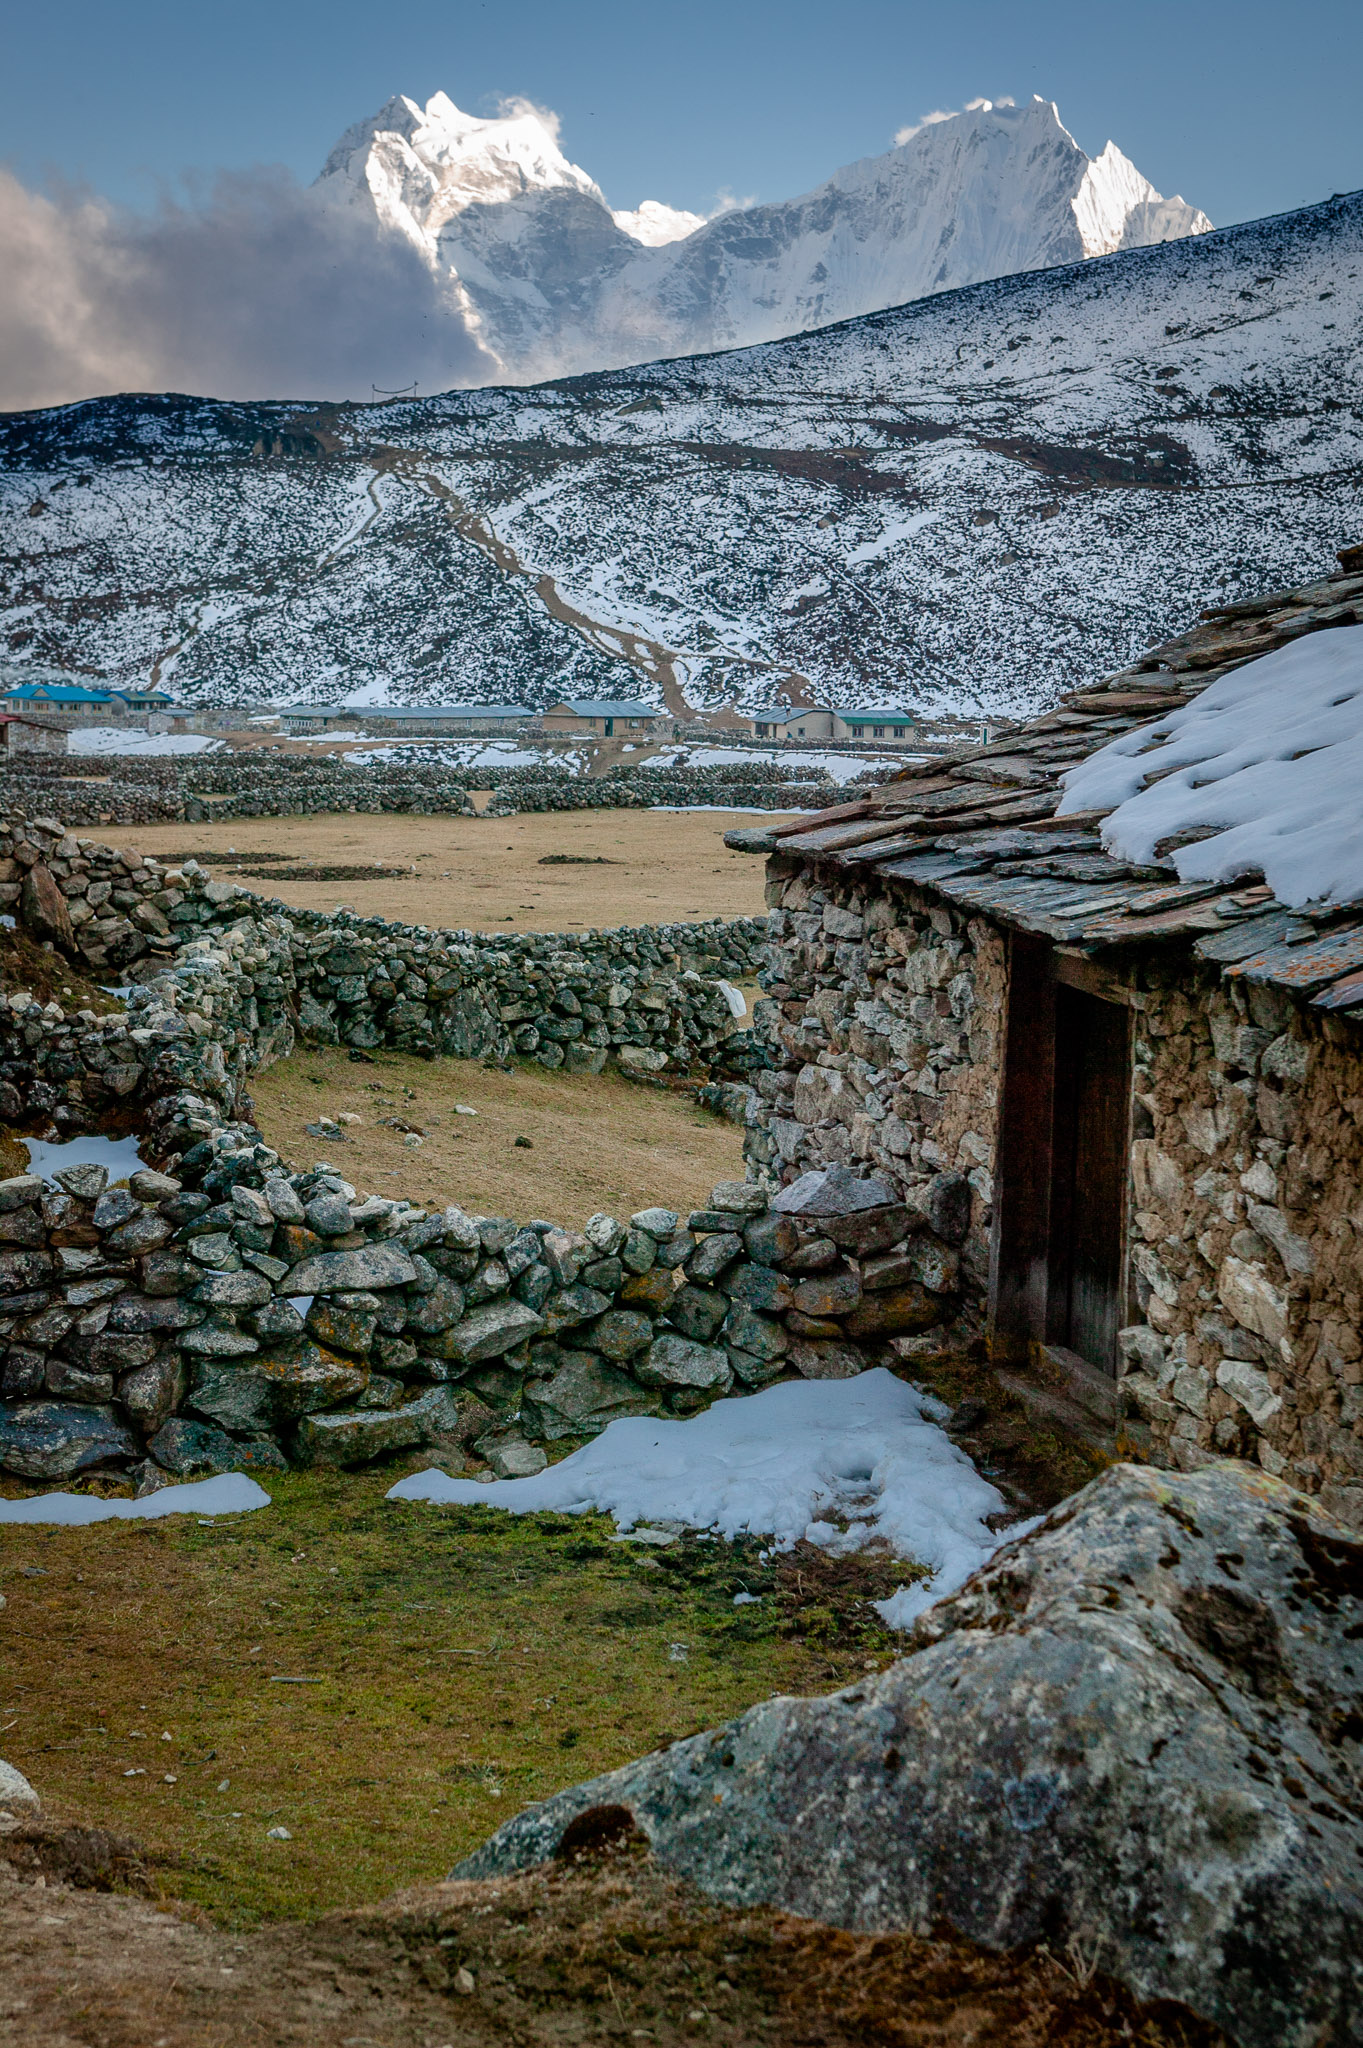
(462, 1662)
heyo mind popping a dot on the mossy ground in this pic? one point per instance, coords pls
(465, 1662)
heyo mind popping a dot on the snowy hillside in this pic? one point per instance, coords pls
(973, 502)
(552, 281)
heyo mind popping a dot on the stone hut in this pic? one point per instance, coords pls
(19, 735)
(1141, 1062)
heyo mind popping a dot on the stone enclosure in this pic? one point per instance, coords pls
(226, 1310)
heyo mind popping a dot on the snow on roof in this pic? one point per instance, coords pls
(1267, 763)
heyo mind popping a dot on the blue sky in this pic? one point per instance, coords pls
(1243, 108)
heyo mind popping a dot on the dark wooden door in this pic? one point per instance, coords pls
(1088, 1175)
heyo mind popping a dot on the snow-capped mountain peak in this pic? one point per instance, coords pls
(552, 282)
(1116, 208)
(430, 163)
(655, 225)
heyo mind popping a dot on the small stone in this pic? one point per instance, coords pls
(359, 1435)
(832, 1294)
(604, 1234)
(638, 1252)
(620, 1333)
(233, 1290)
(659, 1223)
(511, 1457)
(579, 1397)
(650, 1291)
(898, 1310)
(253, 1207)
(150, 1186)
(328, 1215)
(761, 1335)
(369, 1266)
(710, 1259)
(824, 1361)
(832, 1191)
(675, 1361)
(771, 1240)
(739, 1198)
(697, 1311)
(570, 1305)
(115, 1207)
(284, 1205)
(24, 1188)
(489, 1331)
(183, 1447)
(760, 1287)
(341, 1326)
(213, 1340)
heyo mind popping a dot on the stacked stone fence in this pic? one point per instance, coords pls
(235, 1315)
(114, 789)
(647, 997)
(225, 1311)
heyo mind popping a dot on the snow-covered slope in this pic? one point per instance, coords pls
(553, 281)
(973, 502)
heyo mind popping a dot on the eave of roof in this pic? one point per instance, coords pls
(980, 831)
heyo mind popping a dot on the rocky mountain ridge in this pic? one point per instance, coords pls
(551, 281)
(971, 503)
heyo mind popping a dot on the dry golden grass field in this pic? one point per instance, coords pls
(594, 1141)
(489, 874)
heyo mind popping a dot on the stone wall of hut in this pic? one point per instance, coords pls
(884, 1023)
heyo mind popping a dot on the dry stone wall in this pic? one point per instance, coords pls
(119, 789)
(882, 1024)
(232, 1314)
(648, 998)
(223, 1310)
(1248, 1235)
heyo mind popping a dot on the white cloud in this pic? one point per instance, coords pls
(731, 202)
(977, 106)
(252, 287)
(517, 106)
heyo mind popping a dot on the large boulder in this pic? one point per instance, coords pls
(1137, 1728)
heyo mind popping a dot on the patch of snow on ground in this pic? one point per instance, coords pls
(49, 1156)
(1271, 756)
(840, 1463)
(465, 754)
(116, 739)
(842, 767)
(227, 1493)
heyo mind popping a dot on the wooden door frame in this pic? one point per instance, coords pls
(1020, 1311)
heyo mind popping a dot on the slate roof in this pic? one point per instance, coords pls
(588, 708)
(981, 830)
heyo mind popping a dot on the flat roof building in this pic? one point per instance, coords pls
(605, 718)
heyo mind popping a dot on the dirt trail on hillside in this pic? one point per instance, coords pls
(649, 658)
(612, 1950)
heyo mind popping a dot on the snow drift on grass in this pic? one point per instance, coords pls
(840, 1463)
(1271, 757)
(116, 739)
(227, 1493)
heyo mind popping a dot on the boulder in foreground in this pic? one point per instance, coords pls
(1136, 1728)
